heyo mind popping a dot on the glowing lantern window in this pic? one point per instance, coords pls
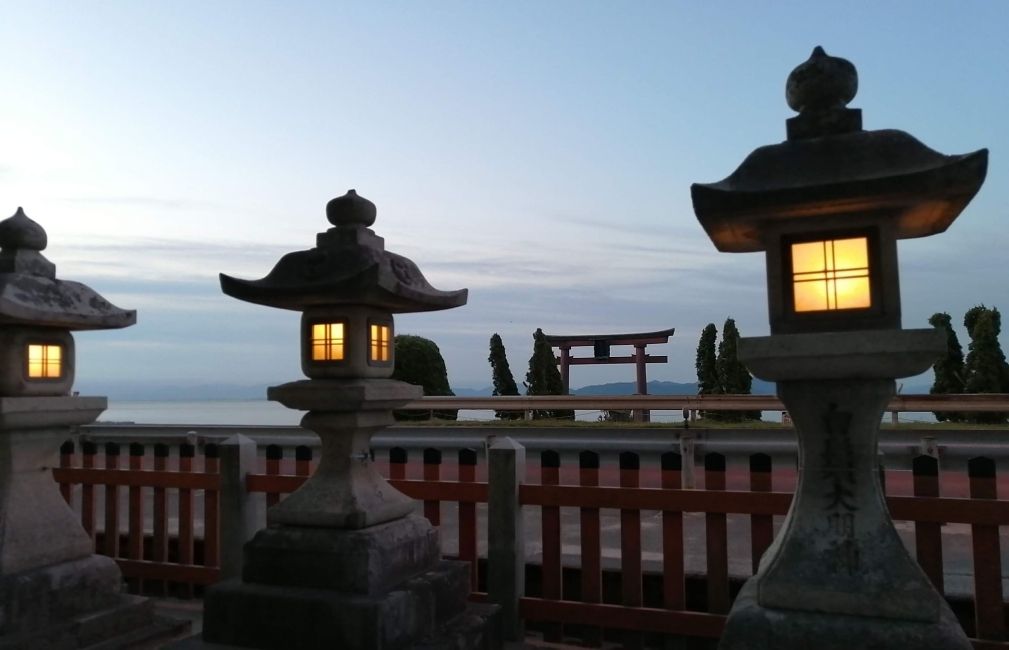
(379, 342)
(831, 275)
(327, 342)
(45, 361)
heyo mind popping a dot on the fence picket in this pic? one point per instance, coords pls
(186, 453)
(432, 472)
(550, 520)
(467, 518)
(988, 608)
(159, 540)
(274, 454)
(67, 460)
(88, 452)
(111, 532)
(397, 463)
(716, 538)
(630, 545)
(211, 509)
(927, 534)
(591, 546)
(761, 526)
(302, 460)
(673, 587)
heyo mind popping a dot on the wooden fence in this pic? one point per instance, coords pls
(587, 600)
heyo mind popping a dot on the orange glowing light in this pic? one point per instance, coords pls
(327, 342)
(379, 342)
(44, 361)
(831, 275)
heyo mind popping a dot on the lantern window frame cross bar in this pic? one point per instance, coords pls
(39, 355)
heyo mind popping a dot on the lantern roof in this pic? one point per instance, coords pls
(348, 266)
(30, 294)
(829, 166)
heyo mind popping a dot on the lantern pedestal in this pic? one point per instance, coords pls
(54, 591)
(837, 571)
(343, 562)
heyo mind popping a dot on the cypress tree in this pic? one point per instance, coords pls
(985, 369)
(733, 377)
(707, 368)
(419, 362)
(948, 368)
(504, 381)
(543, 377)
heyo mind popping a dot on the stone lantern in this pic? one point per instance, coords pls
(50, 579)
(827, 207)
(344, 562)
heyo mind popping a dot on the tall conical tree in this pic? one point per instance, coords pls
(504, 381)
(733, 377)
(543, 377)
(948, 369)
(985, 369)
(707, 368)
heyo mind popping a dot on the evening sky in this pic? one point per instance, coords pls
(538, 153)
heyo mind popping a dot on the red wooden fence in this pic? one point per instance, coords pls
(173, 555)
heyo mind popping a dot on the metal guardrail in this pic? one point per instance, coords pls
(898, 446)
(901, 403)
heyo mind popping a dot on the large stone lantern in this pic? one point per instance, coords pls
(54, 591)
(344, 562)
(827, 207)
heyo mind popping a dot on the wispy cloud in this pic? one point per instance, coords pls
(146, 202)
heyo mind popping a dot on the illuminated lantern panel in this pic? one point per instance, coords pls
(379, 342)
(327, 342)
(831, 275)
(45, 361)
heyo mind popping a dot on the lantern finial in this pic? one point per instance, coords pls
(819, 89)
(20, 232)
(350, 210)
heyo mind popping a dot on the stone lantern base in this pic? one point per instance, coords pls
(379, 587)
(54, 592)
(342, 562)
(754, 627)
(77, 604)
(837, 575)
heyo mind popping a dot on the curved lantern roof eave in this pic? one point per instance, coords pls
(347, 291)
(348, 266)
(890, 171)
(46, 302)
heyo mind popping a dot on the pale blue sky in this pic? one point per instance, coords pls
(539, 153)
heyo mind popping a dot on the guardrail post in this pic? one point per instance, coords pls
(238, 516)
(506, 557)
(687, 441)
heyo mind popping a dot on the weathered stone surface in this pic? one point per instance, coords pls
(837, 550)
(30, 600)
(875, 354)
(31, 295)
(346, 491)
(369, 561)
(49, 411)
(266, 616)
(348, 266)
(837, 572)
(753, 627)
(337, 395)
(37, 527)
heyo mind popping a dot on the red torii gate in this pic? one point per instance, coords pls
(601, 344)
